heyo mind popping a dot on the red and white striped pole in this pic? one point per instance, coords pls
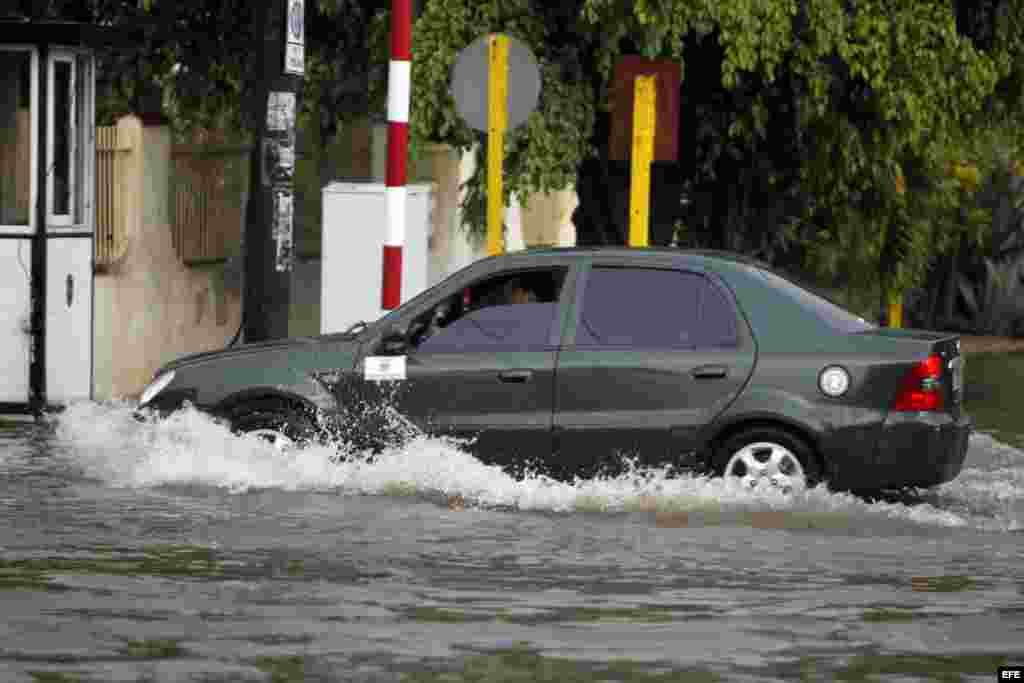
(399, 87)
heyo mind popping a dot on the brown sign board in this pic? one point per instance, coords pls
(667, 82)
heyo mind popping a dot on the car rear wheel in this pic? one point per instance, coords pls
(280, 424)
(767, 456)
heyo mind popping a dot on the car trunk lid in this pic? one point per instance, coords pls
(950, 363)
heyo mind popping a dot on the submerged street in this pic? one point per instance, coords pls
(176, 551)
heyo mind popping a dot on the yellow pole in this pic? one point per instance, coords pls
(497, 101)
(896, 311)
(644, 96)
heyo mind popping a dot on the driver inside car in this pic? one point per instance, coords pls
(514, 291)
(517, 293)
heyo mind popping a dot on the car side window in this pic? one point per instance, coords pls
(717, 318)
(504, 327)
(653, 308)
(509, 311)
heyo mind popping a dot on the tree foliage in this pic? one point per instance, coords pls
(837, 119)
(541, 155)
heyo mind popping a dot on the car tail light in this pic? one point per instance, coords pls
(921, 389)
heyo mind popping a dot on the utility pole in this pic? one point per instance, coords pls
(278, 32)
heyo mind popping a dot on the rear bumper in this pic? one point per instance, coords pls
(919, 450)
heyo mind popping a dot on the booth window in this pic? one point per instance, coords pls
(70, 136)
(63, 137)
(15, 136)
(83, 135)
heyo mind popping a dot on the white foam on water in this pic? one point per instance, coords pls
(190, 448)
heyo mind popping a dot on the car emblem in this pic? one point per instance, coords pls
(834, 381)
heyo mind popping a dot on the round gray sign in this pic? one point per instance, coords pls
(470, 79)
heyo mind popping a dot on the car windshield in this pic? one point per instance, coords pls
(832, 314)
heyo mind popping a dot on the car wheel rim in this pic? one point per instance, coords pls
(275, 438)
(769, 464)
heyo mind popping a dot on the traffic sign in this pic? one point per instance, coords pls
(470, 77)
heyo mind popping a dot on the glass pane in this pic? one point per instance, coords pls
(515, 327)
(640, 307)
(82, 81)
(15, 137)
(62, 127)
(717, 319)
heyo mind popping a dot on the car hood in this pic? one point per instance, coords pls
(242, 350)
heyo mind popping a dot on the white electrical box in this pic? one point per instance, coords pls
(352, 247)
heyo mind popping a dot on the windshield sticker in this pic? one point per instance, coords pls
(384, 368)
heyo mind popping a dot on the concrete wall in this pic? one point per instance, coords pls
(547, 219)
(151, 307)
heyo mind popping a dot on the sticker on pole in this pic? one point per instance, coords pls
(471, 74)
(384, 368)
(282, 228)
(280, 111)
(295, 40)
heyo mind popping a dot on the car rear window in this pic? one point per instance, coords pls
(653, 308)
(830, 313)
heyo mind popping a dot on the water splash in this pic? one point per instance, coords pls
(189, 448)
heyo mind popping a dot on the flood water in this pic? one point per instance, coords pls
(178, 552)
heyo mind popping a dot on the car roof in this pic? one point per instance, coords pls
(640, 253)
(779, 323)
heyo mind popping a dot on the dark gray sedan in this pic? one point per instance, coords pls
(572, 361)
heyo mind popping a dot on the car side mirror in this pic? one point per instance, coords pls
(394, 342)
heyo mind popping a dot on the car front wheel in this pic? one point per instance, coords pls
(274, 421)
(767, 456)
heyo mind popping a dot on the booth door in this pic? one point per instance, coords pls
(70, 150)
(68, 319)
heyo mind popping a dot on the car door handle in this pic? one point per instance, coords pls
(515, 376)
(710, 372)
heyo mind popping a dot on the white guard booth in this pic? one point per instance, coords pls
(352, 247)
(47, 155)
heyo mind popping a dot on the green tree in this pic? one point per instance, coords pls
(817, 131)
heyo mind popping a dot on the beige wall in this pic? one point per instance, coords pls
(440, 165)
(547, 219)
(151, 308)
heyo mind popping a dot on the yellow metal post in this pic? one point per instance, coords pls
(896, 311)
(497, 116)
(644, 95)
